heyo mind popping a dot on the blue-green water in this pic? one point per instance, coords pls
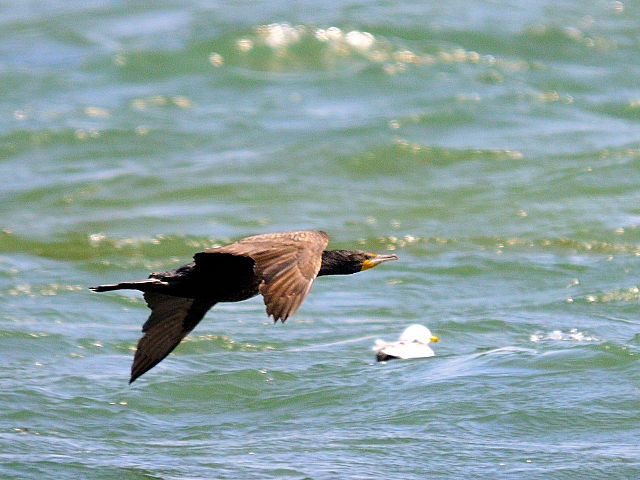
(494, 146)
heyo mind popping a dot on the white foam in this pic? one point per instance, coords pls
(573, 335)
(360, 40)
(279, 35)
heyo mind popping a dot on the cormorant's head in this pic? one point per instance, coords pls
(342, 262)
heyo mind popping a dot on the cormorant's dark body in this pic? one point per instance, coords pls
(237, 281)
(280, 266)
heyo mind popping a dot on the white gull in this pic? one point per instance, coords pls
(413, 343)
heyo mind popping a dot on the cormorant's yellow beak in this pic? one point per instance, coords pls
(377, 260)
(434, 339)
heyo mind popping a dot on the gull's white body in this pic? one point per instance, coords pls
(413, 343)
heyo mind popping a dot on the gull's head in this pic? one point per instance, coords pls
(418, 334)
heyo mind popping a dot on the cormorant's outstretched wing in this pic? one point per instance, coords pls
(171, 319)
(286, 263)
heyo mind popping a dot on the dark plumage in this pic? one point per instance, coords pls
(280, 266)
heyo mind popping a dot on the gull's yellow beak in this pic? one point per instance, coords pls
(377, 260)
(434, 338)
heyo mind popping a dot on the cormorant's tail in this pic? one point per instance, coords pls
(142, 285)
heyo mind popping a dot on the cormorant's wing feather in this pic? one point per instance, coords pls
(171, 319)
(287, 264)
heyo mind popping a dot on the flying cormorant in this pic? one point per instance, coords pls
(280, 266)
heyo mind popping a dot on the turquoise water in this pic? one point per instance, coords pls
(494, 146)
